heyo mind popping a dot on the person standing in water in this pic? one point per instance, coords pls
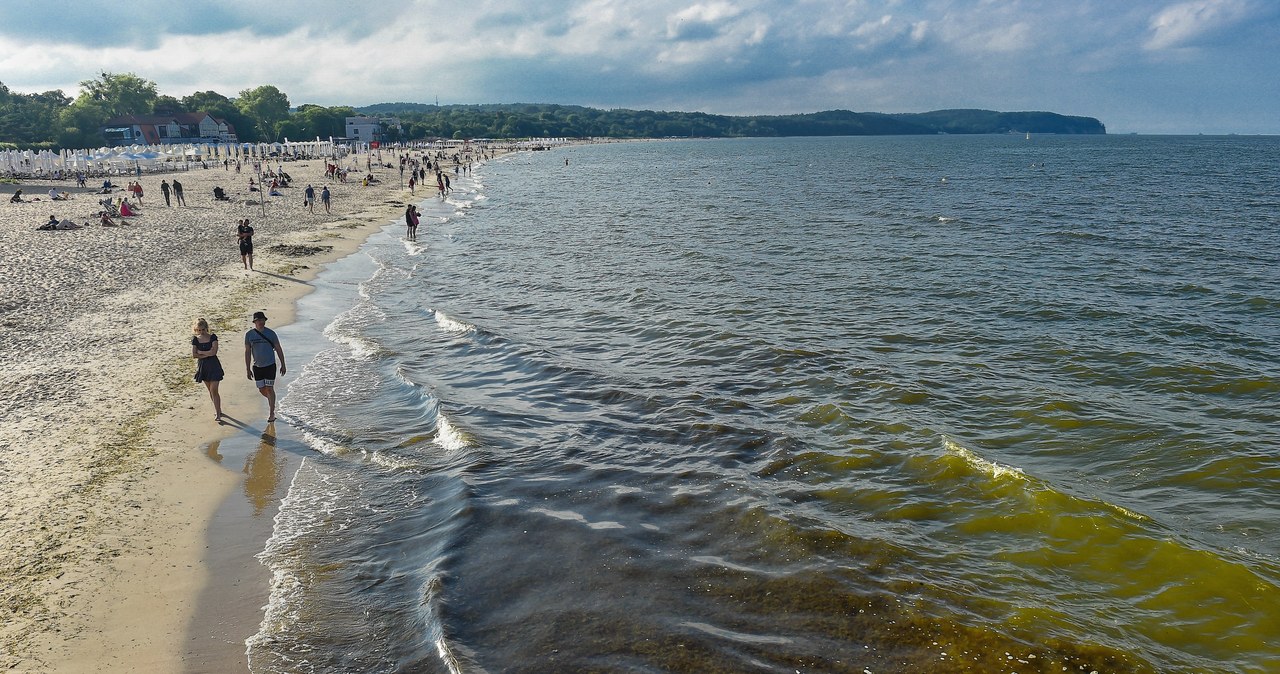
(261, 347)
(204, 348)
(411, 219)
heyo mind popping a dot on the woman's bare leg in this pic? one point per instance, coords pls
(217, 399)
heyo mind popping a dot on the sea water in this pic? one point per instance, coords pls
(903, 404)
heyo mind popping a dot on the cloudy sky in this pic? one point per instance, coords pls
(1147, 66)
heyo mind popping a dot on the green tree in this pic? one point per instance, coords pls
(268, 107)
(390, 134)
(310, 121)
(222, 108)
(168, 105)
(119, 94)
(82, 123)
(208, 101)
(110, 95)
(28, 119)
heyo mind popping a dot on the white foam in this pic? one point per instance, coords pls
(413, 248)
(448, 436)
(344, 330)
(435, 631)
(991, 468)
(302, 509)
(452, 325)
(390, 461)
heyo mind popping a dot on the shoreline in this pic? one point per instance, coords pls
(227, 585)
(111, 492)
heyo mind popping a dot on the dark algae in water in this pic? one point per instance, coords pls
(829, 629)
(765, 597)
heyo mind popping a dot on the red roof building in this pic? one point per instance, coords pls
(177, 128)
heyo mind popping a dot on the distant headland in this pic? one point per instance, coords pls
(119, 109)
(549, 120)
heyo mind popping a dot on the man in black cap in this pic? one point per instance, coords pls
(261, 346)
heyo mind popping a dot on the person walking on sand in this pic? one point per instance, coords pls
(204, 348)
(164, 189)
(244, 233)
(324, 198)
(261, 347)
(177, 193)
(309, 198)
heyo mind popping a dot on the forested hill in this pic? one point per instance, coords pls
(53, 121)
(547, 120)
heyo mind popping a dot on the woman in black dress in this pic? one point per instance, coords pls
(204, 348)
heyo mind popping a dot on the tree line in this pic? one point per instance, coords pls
(53, 120)
(550, 121)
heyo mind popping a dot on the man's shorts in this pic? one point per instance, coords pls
(246, 247)
(264, 376)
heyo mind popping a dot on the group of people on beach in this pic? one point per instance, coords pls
(262, 354)
(309, 198)
(175, 189)
(419, 174)
(109, 207)
(130, 205)
(54, 195)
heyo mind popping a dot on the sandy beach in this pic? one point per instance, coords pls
(107, 494)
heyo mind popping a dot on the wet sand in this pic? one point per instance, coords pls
(109, 488)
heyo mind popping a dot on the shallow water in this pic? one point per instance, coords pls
(888, 404)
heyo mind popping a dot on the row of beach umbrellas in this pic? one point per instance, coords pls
(43, 162)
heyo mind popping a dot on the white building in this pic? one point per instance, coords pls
(369, 129)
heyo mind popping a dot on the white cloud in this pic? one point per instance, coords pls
(700, 20)
(731, 56)
(1186, 23)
